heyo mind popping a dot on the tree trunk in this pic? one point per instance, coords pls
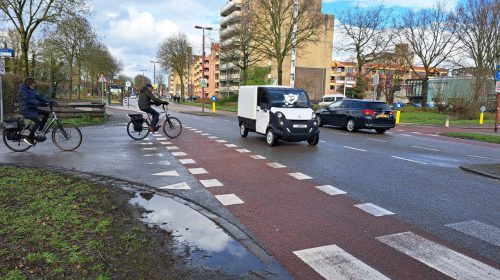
(24, 56)
(79, 80)
(425, 90)
(183, 90)
(280, 71)
(70, 79)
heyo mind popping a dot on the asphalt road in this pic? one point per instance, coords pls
(417, 177)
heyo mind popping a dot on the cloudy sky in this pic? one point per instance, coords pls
(133, 29)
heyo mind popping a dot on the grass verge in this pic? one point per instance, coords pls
(230, 108)
(87, 121)
(54, 226)
(433, 118)
(488, 138)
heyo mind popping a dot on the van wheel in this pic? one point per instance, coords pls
(271, 137)
(350, 125)
(313, 141)
(380, 130)
(243, 130)
(320, 121)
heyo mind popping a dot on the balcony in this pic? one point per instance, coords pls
(230, 89)
(227, 66)
(227, 33)
(231, 6)
(232, 18)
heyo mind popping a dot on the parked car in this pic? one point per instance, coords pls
(353, 114)
(328, 99)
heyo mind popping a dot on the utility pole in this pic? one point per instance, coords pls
(294, 42)
(154, 70)
(203, 67)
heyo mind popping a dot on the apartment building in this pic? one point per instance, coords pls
(313, 62)
(210, 73)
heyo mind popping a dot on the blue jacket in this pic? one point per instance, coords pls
(29, 100)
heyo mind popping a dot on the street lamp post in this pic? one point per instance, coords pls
(143, 77)
(203, 66)
(154, 70)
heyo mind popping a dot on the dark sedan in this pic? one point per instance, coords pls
(354, 114)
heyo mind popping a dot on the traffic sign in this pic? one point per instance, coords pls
(6, 53)
(498, 87)
(102, 79)
(203, 83)
(376, 79)
(128, 84)
(214, 98)
(482, 109)
(497, 76)
(2, 66)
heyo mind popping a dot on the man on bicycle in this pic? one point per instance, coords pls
(29, 101)
(146, 99)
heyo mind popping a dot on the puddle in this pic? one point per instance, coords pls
(196, 236)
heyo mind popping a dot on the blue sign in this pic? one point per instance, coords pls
(214, 98)
(6, 52)
(497, 76)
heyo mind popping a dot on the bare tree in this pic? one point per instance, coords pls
(273, 27)
(431, 34)
(174, 55)
(479, 32)
(28, 15)
(99, 61)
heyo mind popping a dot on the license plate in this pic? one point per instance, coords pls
(382, 116)
(300, 126)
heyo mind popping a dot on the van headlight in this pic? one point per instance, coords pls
(280, 115)
(313, 115)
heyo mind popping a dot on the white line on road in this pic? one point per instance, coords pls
(340, 133)
(171, 148)
(221, 141)
(479, 230)
(355, 149)
(415, 132)
(331, 190)
(180, 186)
(373, 209)
(231, 146)
(243, 151)
(213, 137)
(406, 135)
(276, 165)
(257, 157)
(401, 130)
(154, 155)
(483, 157)
(321, 141)
(179, 154)
(211, 183)
(300, 176)
(424, 148)
(149, 149)
(229, 199)
(206, 134)
(333, 263)
(197, 171)
(378, 140)
(172, 173)
(166, 143)
(410, 160)
(439, 257)
(187, 161)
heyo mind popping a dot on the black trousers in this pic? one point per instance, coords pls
(155, 114)
(37, 123)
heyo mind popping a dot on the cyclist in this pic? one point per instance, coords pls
(29, 101)
(146, 99)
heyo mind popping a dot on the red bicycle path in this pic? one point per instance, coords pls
(285, 214)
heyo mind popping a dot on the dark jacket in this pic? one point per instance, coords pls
(147, 98)
(29, 100)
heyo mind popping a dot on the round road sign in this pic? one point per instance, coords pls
(483, 109)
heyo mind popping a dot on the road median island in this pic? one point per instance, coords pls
(488, 138)
(488, 170)
(55, 226)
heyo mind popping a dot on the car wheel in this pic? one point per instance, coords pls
(350, 125)
(320, 121)
(380, 130)
(271, 137)
(243, 130)
(313, 141)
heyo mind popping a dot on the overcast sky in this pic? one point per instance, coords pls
(133, 29)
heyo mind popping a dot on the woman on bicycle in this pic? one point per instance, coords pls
(146, 99)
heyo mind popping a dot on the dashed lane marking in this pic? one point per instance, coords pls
(211, 183)
(321, 141)
(206, 134)
(229, 199)
(373, 209)
(172, 148)
(172, 173)
(400, 130)
(243, 151)
(231, 145)
(378, 140)
(144, 143)
(433, 135)
(193, 129)
(197, 171)
(257, 157)
(221, 141)
(483, 157)
(160, 163)
(179, 154)
(424, 148)
(418, 133)
(300, 176)
(388, 132)
(179, 186)
(213, 137)
(406, 135)
(439, 257)
(340, 133)
(276, 165)
(199, 131)
(355, 149)
(161, 138)
(410, 160)
(187, 161)
(166, 143)
(333, 263)
(154, 155)
(149, 149)
(331, 190)
(479, 230)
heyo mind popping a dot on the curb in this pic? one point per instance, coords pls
(478, 171)
(122, 109)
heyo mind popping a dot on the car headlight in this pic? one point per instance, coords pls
(313, 115)
(280, 115)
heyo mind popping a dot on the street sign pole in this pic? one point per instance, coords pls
(497, 91)
(2, 72)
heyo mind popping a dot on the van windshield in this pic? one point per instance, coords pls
(288, 98)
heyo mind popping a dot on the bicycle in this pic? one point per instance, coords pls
(138, 126)
(65, 136)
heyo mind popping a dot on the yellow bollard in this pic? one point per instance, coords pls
(398, 116)
(213, 107)
(481, 118)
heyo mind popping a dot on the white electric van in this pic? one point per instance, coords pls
(330, 98)
(277, 112)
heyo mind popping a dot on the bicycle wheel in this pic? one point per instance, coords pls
(138, 135)
(17, 145)
(172, 127)
(67, 137)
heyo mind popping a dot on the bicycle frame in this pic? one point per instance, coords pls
(48, 125)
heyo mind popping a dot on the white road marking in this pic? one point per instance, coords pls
(439, 257)
(388, 132)
(172, 173)
(479, 230)
(433, 135)
(166, 143)
(410, 160)
(276, 165)
(221, 141)
(401, 130)
(243, 151)
(164, 162)
(206, 134)
(193, 129)
(378, 140)
(333, 263)
(197, 171)
(483, 157)
(415, 132)
(187, 161)
(424, 148)
(149, 149)
(161, 139)
(373, 209)
(300, 176)
(179, 154)
(211, 183)
(180, 186)
(321, 141)
(172, 148)
(229, 199)
(257, 157)
(199, 131)
(331, 190)
(406, 135)
(226, 120)
(154, 155)
(355, 149)
(231, 145)
(340, 133)
(187, 127)
(213, 137)
(144, 143)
